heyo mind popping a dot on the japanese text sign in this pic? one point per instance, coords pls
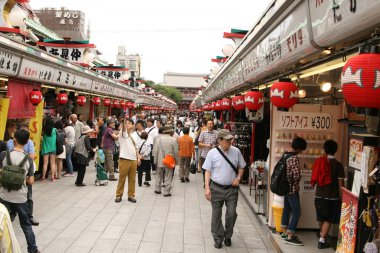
(305, 121)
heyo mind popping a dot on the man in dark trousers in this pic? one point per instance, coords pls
(222, 186)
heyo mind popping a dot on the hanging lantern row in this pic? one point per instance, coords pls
(96, 100)
(361, 80)
(81, 100)
(238, 102)
(253, 100)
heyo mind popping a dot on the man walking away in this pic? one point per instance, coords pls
(292, 206)
(165, 144)
(109, 147)
(186, 151)
(222, 186)
(17, 199)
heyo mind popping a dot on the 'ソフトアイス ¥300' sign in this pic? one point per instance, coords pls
(305, 121)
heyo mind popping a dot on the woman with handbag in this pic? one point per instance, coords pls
(82, 149)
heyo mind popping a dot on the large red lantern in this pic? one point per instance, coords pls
(81, 100)
(361, 81)
(218, 105)
(35, 97)
(226, 104)
(284, 94)
(254, 100)
(62, 98)
(133, 105)
(206, 107)
(238, 103)
(129, 104)
(106, 102)
(116, 103)
(122, 104)
(212, 106)
(96, 100)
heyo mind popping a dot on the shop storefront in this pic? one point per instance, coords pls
(308, 42)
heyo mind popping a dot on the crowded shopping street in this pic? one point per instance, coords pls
(190, 126)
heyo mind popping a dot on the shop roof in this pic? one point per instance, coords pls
(42, 30)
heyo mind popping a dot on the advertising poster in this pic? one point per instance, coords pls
(4, 106)
(348, 223)
(355, 155)
(35, 129)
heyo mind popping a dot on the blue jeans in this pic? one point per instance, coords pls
(292, 212)
(23, 214)
(69, 164)
(196, 156)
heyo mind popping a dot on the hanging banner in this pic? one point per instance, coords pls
(35, 129)
(113, 72)
(348, 222)
(20, 107)
(4, 106)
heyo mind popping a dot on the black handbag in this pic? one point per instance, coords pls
(193, 167)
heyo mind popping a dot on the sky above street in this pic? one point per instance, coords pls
(170, 35)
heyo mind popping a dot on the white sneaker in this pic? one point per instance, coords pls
(68, 175)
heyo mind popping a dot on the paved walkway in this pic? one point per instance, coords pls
(86, 219)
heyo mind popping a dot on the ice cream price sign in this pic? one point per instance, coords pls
(305, 121)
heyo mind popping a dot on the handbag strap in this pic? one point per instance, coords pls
(142, 145)
(228, 160)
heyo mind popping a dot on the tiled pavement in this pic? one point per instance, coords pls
(86, 219)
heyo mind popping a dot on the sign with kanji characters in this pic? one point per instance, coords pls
(97, 86)
(305, 121)
(4, 106)
(66, 17)
(114, 72)
(68, 54)
(32, 70)
(9, 63)
(120, 92)
(68, 79)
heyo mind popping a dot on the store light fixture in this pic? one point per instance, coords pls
(3, 78)
(325, 86)
(302, 93)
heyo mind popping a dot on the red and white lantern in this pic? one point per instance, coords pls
(361, 81)
(81, 100)
(284, 94)
(129, 104)
(116, 103)
(254, 100)
(62, 98)
(212, 106)
(238, 102)
(218, 105)
(35, 97)
(133, 105)
(226, 104)
(96, 100)
(106, 102)
(123, 104)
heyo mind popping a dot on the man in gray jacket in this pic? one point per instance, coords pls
(165, 144)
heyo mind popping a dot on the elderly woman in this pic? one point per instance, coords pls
(82, 149)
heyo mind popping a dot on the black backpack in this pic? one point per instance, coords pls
(13, 176)
(279, 183)
(60, 141)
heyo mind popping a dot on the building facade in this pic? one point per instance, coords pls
(131, 61)
(188, 84)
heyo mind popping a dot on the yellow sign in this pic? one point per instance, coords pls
(35, 129)
(4, 106)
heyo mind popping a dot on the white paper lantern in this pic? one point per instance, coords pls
(228, 50)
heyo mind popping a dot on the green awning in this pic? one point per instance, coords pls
(42, 30)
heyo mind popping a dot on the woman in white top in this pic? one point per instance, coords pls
(70, 143)
(129, 159)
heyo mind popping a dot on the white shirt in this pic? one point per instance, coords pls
(136, 136)
(152, 134)
(127, 148)
(70, 135)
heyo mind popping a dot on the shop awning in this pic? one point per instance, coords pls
(41, 30)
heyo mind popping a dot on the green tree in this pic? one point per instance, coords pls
(169, 92)
(149, 83)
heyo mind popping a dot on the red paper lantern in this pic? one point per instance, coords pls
(254, 100)
(129, 104)
(106, 102)
(218, 105)
(116, 103)
(206, 107)
(238, 103)
(122, 104)
(361, 81)
(226, 104)
(284, 94)
(62, 98)
(212, 106)
(81, 100)
(133, 105)
(96, 100)
(35, 97)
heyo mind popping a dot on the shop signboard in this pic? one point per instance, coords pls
(102, 88)
(34, 71)
(348, 222)
(350, 18)
(120, 92)
(305, 121)
(9, 63)
(71, 54)
(4, 106)
(70, 80)
(35, 129)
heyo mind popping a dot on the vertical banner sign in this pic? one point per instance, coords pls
(35, 129)
(4, 106)
(348, 223)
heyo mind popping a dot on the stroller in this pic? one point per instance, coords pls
(101, 175)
